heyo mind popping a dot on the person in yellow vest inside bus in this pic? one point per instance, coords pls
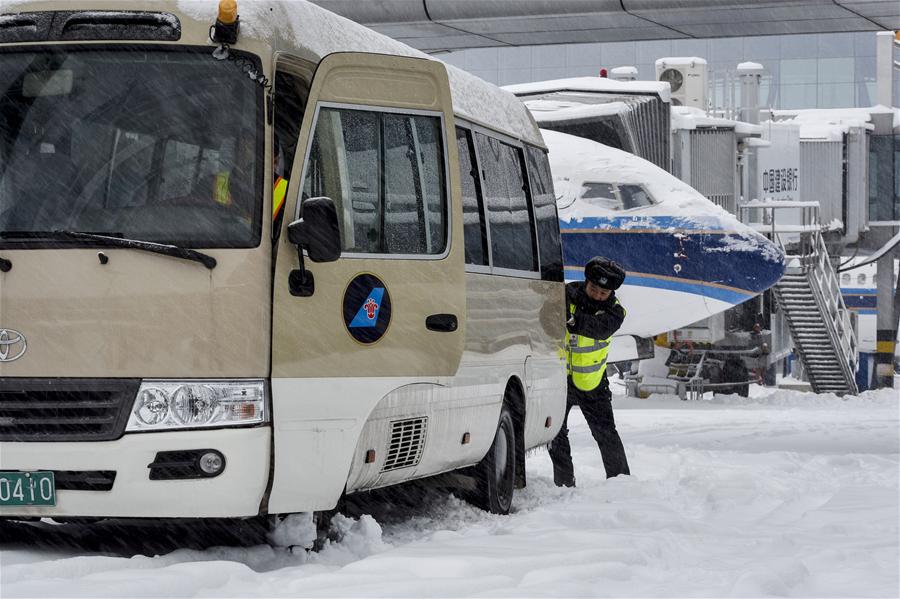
(232, 183)
(221, 192)
(281, 183)
(223, 181)
(594, 315)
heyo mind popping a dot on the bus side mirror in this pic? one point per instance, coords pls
(316, 232)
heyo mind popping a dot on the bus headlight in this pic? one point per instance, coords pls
(164, 405)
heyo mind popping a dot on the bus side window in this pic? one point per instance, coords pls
(414, 190)
(545, 214)
(385, 174)
(509, 213)
(474, 228)
(290, 95)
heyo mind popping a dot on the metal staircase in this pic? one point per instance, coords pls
(809, 295)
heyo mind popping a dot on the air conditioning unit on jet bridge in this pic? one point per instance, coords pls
(687, 78)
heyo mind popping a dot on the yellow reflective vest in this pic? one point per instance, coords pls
(278, 194)
(586, 358)
(222, 188)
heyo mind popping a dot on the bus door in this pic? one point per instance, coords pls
(390, 311)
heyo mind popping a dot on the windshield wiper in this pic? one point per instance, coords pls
(111, 241)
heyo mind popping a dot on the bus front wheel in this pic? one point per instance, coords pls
(496, 473)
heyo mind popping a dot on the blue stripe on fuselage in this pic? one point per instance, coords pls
(860, 298)
(666, 253)
(637, 279)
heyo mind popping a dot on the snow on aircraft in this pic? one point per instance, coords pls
(686, 258)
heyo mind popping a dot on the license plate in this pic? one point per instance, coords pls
(27, 488)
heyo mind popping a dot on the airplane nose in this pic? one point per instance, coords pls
(755, 262)
(770, 267)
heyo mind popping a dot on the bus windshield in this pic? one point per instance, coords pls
(144, 143)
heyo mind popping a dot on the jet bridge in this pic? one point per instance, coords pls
(627, 115)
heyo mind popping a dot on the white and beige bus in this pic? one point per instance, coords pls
(252, 262)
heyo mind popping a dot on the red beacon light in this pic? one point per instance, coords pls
(603, 73)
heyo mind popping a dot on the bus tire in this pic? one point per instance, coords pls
(495, 475)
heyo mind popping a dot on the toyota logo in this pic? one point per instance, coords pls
(12, 345)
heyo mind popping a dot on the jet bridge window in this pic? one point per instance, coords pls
(616, 196)
(385, 173)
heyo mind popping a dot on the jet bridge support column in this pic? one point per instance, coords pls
(886, 294)
(884, 66)
(750, 74)
(886, 323)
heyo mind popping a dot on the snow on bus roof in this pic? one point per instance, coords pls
(592, 84)
(323, 32)
(301, 25)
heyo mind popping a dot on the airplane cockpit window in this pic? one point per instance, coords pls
(601, 195)
(634, 196)
(615, 196)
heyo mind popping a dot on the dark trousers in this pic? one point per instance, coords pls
(596, 406)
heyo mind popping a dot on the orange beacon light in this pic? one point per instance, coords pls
(225, 31)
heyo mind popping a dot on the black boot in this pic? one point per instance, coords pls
(562, 480)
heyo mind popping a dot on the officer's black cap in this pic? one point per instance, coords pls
(604, 273)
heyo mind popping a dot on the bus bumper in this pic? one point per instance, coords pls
(236, 492)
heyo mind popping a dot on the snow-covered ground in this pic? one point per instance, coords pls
(782, 494)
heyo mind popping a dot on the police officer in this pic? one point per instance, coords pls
(594, 314)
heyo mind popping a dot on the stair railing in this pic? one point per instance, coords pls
(823, 281)
(812, 256)
(762, 215)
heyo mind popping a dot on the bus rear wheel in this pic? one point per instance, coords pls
(495, 475)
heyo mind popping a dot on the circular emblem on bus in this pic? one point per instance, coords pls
(12, 345)
(367, 308)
